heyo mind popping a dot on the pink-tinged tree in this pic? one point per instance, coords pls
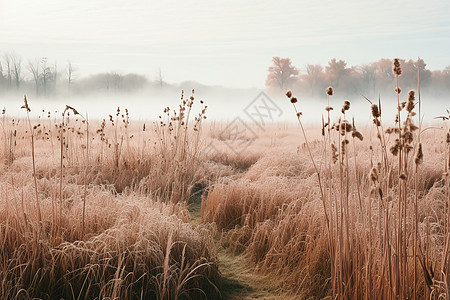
(337, 71)
(313, 79)
(282, 74)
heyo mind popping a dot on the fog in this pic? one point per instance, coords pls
(224, 106)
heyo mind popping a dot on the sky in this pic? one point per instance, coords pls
(228, 43)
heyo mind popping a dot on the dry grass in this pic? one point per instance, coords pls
(76, 222)
(328, 215)
(347, 218)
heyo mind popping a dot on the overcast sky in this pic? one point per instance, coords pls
(228, 43)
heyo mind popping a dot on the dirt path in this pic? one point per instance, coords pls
(239, 281)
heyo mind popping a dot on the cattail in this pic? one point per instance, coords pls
(396, 68)
(398, 90)
(375, 111)
(293, 100)
(408, 136)
(328, 108)
(343, 144)
(25, 105)
(346, 106)
(345, 126)
(448, 137)
(357, 134)
(330, 91)
(334, 153)
(299, 114)
(411, 98)
(419, 156)
(373, 175)
(395, 148)
(289, 94)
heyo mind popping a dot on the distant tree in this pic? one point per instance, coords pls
(46, 74)
(282, 74)
(55, 76)
(16, 69)
(424, 73)
(313, 78)
(8, 69)
(336, 71)
(368, 77)
(33, 68)
(71, 70)
(159, 78)
(2, 78)
(132, 82)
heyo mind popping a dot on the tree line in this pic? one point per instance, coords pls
(44, 77)
(369, 79)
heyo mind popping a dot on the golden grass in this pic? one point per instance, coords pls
(328, 215)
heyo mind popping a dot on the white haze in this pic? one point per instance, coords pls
(222, 106)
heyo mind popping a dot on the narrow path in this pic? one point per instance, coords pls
(239, 281)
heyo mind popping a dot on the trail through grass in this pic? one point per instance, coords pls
(239, 279)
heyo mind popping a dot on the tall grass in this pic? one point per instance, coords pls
(368, 220)
(76, 223)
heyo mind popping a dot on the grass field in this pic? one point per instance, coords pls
(113, 209)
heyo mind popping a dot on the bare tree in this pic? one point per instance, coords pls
(1, 74)
(33, 67)
(8, 66)
(46, 73)
(16, 69)
(159, 77)
(70, 74)
(55, 76)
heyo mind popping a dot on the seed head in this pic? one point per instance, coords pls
(419, 156)
(411, 98)
(330, 91)
(328, 108)
(346, 106)
(396, 68)
(289, 94)
(375, 111)
(357, 134)
(395, 148)
(398, 90)
(373, 175)
(334, 153)
(345, 127)
(25, 105)
(293, 100)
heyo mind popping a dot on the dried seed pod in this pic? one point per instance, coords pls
(357, 134)
(289, 94)
(375, 111)
(330, 91)
(373, 175)
(419, 156)
(345, 126)
(396, 67)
